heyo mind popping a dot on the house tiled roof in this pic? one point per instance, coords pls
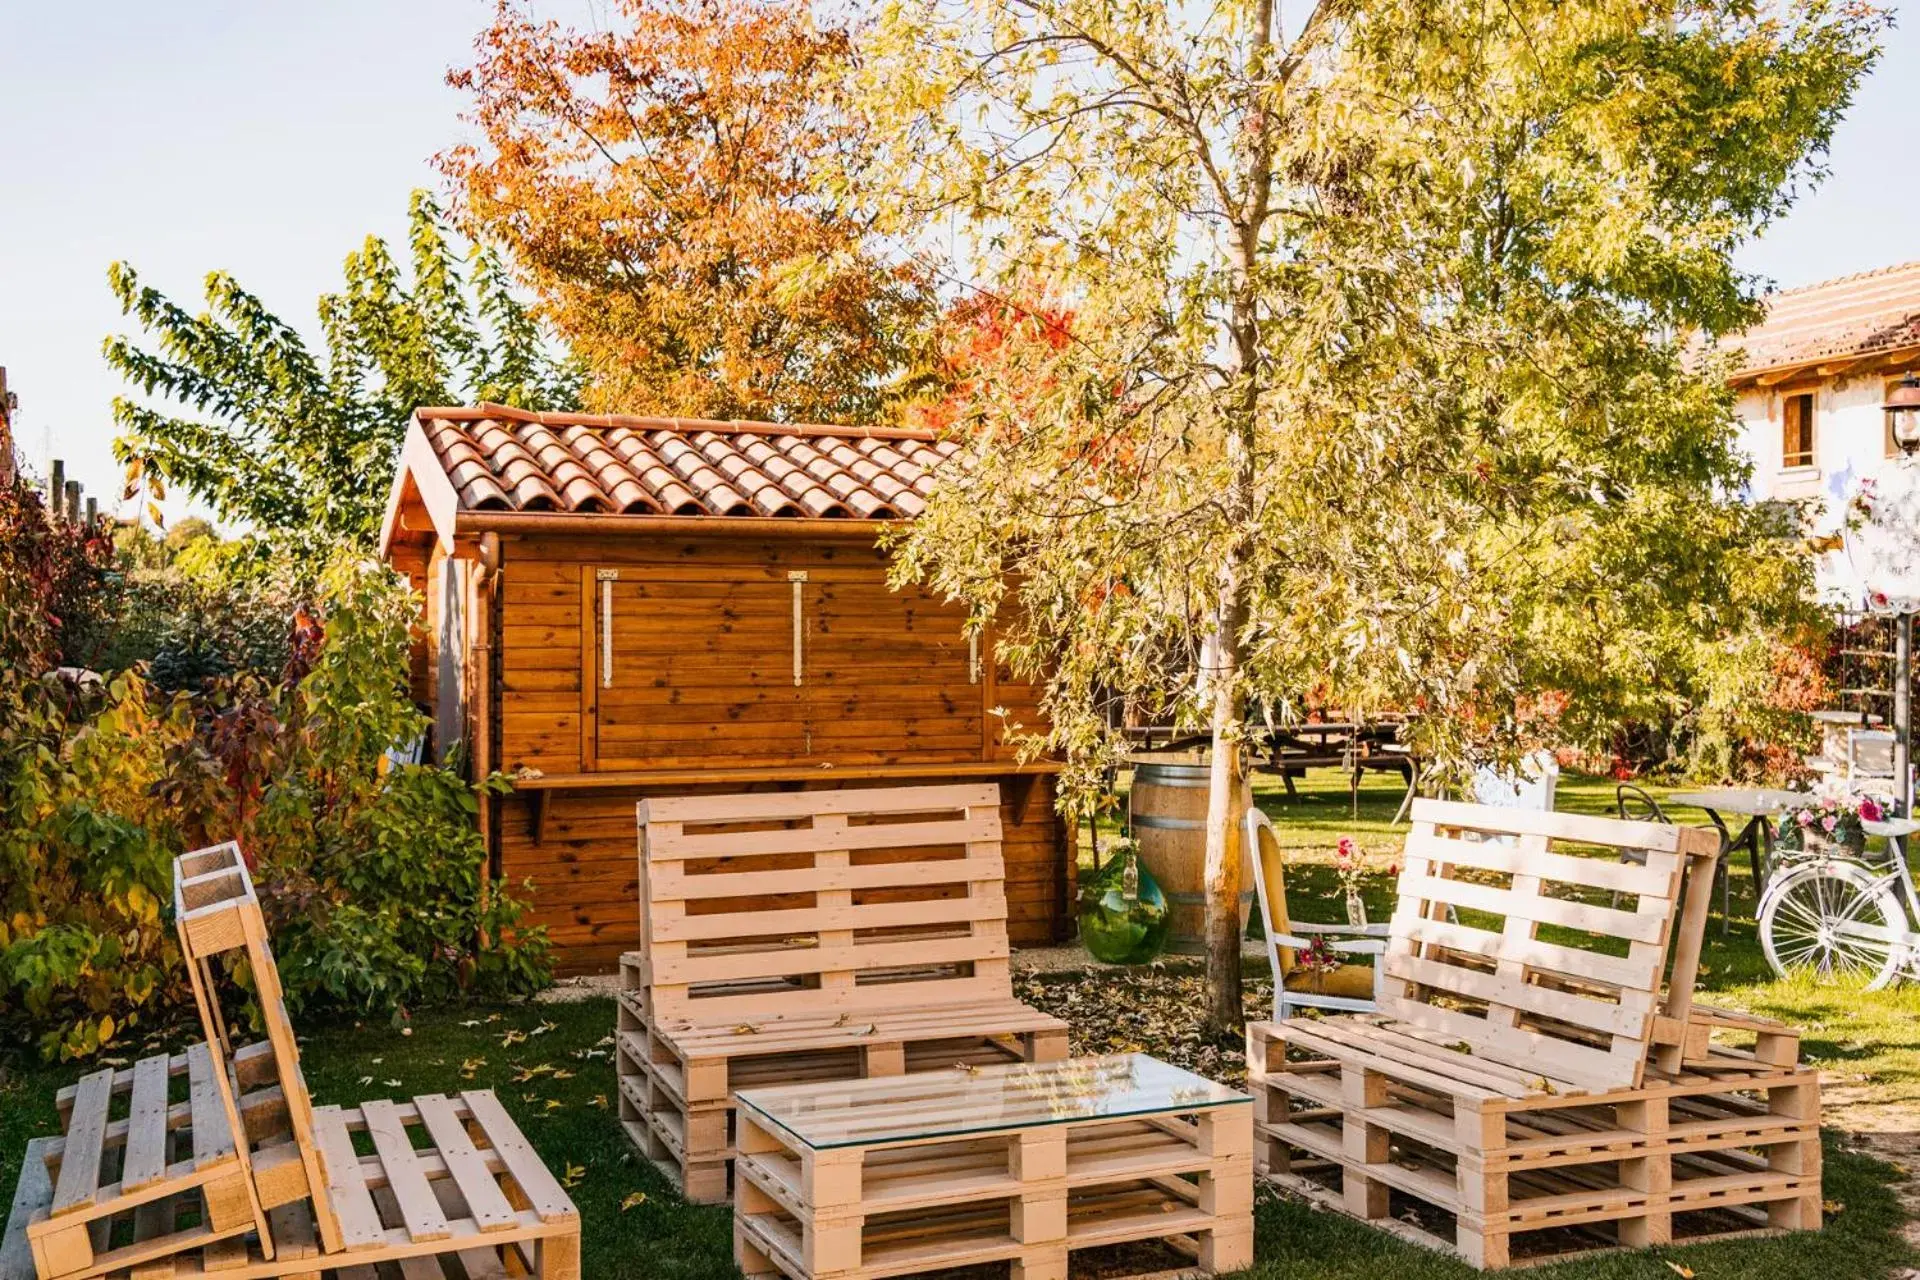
(500, 459)
(1859, 315)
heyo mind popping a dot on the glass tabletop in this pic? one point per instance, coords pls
(978, 1100)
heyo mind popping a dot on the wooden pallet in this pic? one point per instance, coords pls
(677, 1084)
(1029, 1197)
(1492, 945)
(1470, 1162)
(838, 901)
(810, 935)
(153, 1143)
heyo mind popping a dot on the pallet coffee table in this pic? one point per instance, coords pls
(1021, 1163)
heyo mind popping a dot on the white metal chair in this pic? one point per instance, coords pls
(1869, 755)
(1350, 988)
(1530, 787)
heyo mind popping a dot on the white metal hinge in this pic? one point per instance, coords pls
(797, 578)
(606, 578)
(973, 658)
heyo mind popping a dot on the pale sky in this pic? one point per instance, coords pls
(267, 138)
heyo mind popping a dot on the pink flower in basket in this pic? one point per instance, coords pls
(1828, 823)
(1870, 809)
(1806, 817)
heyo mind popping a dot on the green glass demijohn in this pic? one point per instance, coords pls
(1123, 913)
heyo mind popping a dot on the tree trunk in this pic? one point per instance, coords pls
(1227, 794)
(1225, 800)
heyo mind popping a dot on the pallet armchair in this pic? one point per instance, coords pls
(812, 935)
(1525, 1079)
(245, 1177)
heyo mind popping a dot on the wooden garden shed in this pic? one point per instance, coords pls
(619, 607)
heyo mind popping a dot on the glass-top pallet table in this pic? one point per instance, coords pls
(1020, 1163)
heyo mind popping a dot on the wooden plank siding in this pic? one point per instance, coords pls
(702, 677)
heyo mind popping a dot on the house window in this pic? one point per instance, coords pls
(1796, 433)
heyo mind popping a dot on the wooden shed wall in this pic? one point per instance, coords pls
(703, 680)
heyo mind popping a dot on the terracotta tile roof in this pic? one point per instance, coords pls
(1858, 315)
(500, 459)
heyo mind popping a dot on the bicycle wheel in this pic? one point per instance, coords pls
(1833, 919)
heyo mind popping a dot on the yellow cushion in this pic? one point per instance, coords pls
(1353, 980)
(1273, 870)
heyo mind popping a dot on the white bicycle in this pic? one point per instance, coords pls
(1840, 915)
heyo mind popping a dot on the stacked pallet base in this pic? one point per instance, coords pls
(677, 1080)
(1032, 1201)
(1729, 1144)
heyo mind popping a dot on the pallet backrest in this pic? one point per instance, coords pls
(1509, 940)
(816, 901)
(216, 911)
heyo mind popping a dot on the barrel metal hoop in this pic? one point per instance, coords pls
(1155, 822)
(1189, 777)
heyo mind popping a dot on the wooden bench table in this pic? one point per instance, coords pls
(1022, 1163)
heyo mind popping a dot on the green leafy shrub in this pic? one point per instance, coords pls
(371, 875)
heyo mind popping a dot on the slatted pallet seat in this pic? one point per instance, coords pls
(1525, 1076)
(810, 935)
(345, 1192)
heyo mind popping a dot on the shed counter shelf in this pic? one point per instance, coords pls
(538, 786)
(1022, 1163)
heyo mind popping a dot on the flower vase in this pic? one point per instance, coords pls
(1356, 910)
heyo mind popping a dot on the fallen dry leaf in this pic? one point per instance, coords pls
(633, 1198)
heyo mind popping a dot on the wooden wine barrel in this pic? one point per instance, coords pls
(1168, 811)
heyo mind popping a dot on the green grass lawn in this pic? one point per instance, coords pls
(558, 1083)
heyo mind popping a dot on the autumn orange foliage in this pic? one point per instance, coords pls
(665, 186)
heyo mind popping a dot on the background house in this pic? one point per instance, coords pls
(1810, 386)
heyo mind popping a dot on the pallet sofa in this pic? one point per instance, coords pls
(1526, 1090)
(244, 1177)
(818, 935)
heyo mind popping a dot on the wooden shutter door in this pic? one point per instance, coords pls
(693, 673)
(889, 675)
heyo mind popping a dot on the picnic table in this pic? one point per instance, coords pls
(1352, 746)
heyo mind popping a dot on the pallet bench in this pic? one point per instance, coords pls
(1526, 1078)
(256, 1180)
(1468, 1162)
(810, 936)
(1024, 1164)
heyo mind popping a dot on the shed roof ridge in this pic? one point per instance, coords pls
(486, 410)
